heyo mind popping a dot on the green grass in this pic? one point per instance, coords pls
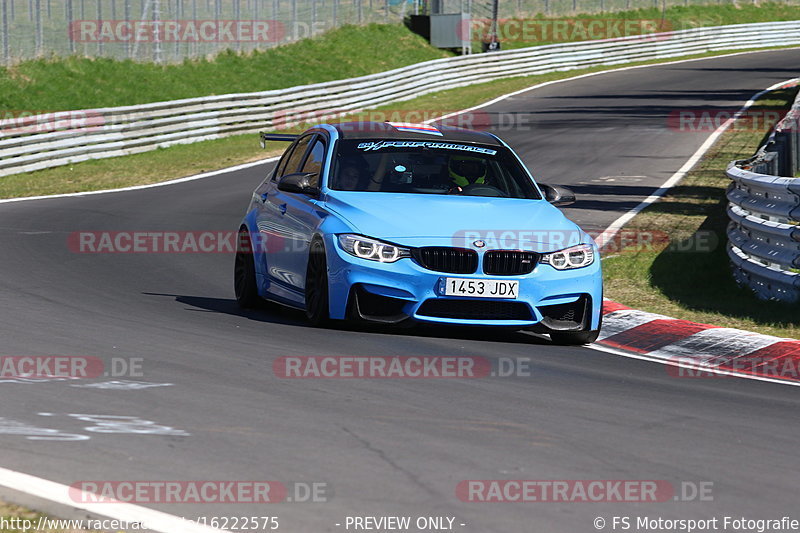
(698, 285)
(82, 83)
(184, 160)
(54, 84)
(159, 165)
(673, 18)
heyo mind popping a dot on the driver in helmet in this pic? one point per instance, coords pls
(467, 170)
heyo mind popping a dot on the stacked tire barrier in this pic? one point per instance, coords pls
(764, 212)
(44, 141)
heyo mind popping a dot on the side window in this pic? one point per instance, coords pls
(282, 163)
(293, 163)
(315, 160)
(292, 157)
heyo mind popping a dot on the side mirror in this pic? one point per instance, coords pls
(299, 183)
(557, 195)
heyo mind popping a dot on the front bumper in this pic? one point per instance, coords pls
(549, 299)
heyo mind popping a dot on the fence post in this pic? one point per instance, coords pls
(126, 7)
(69, 25)
(39, 31)
(6, 57)
(796, 142)
(178, 16)
(157, 51)
(276, 17)
(99, 17)
(294, 20)
(237, 15)
(194, 44)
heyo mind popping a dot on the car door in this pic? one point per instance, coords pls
(295, 217)
(272, 229)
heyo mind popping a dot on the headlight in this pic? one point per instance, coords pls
(572, 257)
(372, 249)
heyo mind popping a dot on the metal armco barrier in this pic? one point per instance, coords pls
(764, 212)
(44, 141)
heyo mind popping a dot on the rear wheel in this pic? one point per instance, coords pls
(244, 272)
(317, 285)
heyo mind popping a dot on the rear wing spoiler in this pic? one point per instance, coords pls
(284, 137)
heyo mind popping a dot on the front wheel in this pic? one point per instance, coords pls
(317, 285)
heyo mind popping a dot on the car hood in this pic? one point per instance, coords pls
(447, 220)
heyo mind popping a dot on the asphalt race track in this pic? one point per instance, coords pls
(386, 446)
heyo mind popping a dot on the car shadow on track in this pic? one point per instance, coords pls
(278, 314)
(267, 312)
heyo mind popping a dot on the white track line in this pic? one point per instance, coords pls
(126, 512)
(690, 366)
(148, 186)
(165, 523)
(612, 230)
(617, 225)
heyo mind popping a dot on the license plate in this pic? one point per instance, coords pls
(481, 288)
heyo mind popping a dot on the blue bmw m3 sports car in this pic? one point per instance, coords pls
(394, 222)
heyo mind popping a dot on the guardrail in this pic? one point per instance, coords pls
(764, 212)
(43, 141)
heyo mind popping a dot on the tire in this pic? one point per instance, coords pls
(244, 272)
(317, 310)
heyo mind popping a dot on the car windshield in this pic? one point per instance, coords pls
(430, 167)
